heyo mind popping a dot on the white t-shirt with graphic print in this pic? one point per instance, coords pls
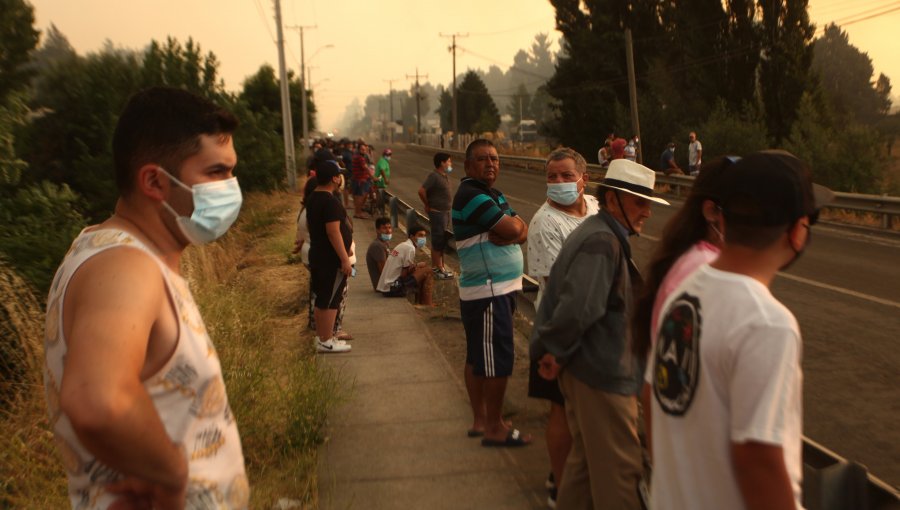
(725, 369)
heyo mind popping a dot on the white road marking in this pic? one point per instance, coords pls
(841, 290)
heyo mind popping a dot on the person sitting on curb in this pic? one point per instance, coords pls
(402, 275)
(378, 251)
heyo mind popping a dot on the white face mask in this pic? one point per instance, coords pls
(216, 206)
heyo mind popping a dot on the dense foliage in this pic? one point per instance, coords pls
(744, 74)
(58, 111)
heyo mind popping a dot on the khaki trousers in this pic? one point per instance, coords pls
(604, 465)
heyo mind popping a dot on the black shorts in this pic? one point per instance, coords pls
(402, 286)
(439, 221)
(489, 334)
(328, 284)
(538, 387)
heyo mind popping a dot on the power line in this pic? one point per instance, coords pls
(262, 16)
(896, 7)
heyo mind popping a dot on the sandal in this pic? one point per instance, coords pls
(513, 438)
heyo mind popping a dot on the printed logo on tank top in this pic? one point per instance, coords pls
(677, 356)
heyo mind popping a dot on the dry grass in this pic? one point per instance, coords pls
(249, 294)
(31, 476)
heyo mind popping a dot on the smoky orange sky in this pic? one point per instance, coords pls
(373, 41)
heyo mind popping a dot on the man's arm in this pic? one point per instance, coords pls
(509, 230)
(581, 298)
(762, 476)
(333, 230)
(113, 305)
(424, 198)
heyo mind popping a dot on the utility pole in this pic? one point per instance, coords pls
(632, 94)
(303, 86)
(521, 136)
(391, 118)
(418, 113)
(286, 123)
(452, 49)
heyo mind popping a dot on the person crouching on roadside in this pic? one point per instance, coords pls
(402, 275)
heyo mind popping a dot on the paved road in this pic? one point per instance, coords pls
(845, 292)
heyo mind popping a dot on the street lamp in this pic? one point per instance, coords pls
(327, 46)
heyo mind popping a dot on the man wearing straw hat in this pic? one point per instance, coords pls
(581, 337)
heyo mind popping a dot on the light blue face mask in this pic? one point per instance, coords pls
(563, 193)
(385, 237)
(420, 242)
(216, 206)
(449, 169)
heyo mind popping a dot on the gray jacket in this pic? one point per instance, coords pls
(583, 316)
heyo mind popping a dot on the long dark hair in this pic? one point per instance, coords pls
(683, 230)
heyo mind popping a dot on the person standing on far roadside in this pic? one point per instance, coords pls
(435, 196)
(695, 154)
(489, 235)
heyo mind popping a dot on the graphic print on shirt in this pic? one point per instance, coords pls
(677, 356)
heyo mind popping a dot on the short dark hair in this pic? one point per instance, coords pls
(379, 222)
(439, 158)
(478, 142)
(163, 125)
(567, 153)
(414, 228)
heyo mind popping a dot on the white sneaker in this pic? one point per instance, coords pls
(332, 345)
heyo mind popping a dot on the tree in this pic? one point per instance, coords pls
(17, 38)
(845, 75)
(844, 158)
(732, 133)
(787, 56)
(69, 142)
(477, 112)
(519, 105)
(445, 110)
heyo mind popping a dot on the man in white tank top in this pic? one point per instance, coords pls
(134, 387)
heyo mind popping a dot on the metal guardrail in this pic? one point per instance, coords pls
(830, 482)
(887, 207)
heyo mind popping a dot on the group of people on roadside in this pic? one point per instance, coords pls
(136, 399)
(669, 166)
(697, 338)
(618, 148)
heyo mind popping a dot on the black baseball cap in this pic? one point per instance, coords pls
(771, 188)
(327, 169)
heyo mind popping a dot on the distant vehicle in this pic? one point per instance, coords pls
(527, 130)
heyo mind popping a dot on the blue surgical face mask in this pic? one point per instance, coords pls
(563, 193)
(216, 206)
(420, 242)
(449, 169)
(385, 237)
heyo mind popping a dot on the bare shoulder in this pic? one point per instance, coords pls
(116, 292)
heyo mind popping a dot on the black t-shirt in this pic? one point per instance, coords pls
(321, 208)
